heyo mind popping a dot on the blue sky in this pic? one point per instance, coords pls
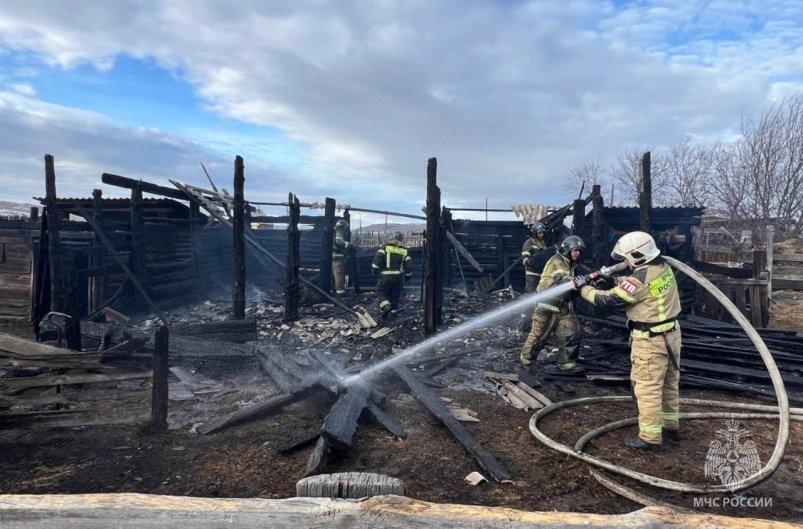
(348, 99)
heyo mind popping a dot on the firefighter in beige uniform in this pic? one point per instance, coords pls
(340, 245)
(650, 295)
(556, 314)
(533, 254)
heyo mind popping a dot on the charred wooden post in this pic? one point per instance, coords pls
(292, 297)
(53, 224)
(160, 369)
(352, 268)
(325, 277)
(579, 217)
(599, 243)
(72, 327)
(137, 259)
(238, 219)
(645, 193)
(34, 215)
(195, 237)
(433, 287)
(40, 302)
(97, 283)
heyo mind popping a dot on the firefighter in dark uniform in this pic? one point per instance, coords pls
(557, 315)
(652, 304)
(394, 266)
(340, 246)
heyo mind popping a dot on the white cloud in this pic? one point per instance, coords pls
(505, 95)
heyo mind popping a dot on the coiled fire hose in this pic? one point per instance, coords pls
(782, 412)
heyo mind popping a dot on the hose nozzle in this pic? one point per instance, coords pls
(608, 271)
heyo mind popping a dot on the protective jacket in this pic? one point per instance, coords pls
(650, 295)
(392, 259)
(533, 254)
(557, 270)
(339, 244)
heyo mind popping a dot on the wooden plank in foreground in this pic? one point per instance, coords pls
(149, 511)
(431, 400)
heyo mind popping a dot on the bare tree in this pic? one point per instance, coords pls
(689, 170)
(771, 159)
(727, 188)
(590, 173)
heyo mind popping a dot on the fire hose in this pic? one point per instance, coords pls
(782, 412)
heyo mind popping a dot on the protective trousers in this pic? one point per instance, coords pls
(564, 323)
(390, 287)
(655, 382)
(339, 274)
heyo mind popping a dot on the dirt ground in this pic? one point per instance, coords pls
(244, 461)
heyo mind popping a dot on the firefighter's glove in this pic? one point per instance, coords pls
(578, 282)
(526, 261)
(598, 280)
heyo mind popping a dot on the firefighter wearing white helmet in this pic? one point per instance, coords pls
(340, 245)
(557, 315)
(650, 297)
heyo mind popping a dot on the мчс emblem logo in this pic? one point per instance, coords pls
(733, 459)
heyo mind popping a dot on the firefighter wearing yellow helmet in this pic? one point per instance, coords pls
(652, 304)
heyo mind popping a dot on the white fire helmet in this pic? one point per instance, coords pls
(636, 247)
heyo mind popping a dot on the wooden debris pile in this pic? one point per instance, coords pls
(715, 355)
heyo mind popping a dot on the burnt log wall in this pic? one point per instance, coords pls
(16, 259)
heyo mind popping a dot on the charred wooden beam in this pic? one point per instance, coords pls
(15, 385)
(340, 423)
(300, 442)
(292, 298)
(28, 353)
(238, 220)
(325, 277)
(238, 331)
(319, 458)
(57, 301)
(432, 251)
(431, 400)
(388, 422)
(130, 183)
(259, 409)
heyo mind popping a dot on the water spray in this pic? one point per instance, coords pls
(525, 302)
